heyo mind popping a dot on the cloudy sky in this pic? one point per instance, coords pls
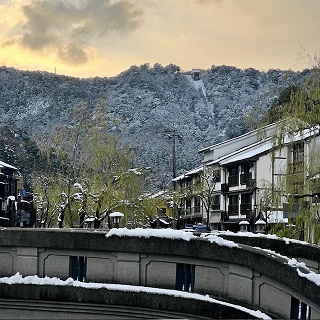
(87, 38)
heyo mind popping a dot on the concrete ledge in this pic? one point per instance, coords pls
(243, 273)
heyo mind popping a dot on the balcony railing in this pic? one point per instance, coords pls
(245, 207)
(233, 209)
(233, 181)
(224, 188)
(295, 168)
(245, 176)
(251, 183)
(215, 206)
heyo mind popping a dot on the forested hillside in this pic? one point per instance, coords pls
(147, 102)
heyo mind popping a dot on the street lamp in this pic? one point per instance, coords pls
(244, 226)
(260, 225)
(115, 218)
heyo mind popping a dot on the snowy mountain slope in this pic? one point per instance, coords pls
(148, 101)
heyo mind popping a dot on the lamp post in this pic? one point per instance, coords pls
(255, 208)
(115, 218)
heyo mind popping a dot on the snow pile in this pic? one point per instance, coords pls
(304, 272)
(147, 233)
(35, 280)
(288, 241)
(169, 234)
(295, 264)
(220, 241)
(311, 276)
(260, 235)
(301, 268)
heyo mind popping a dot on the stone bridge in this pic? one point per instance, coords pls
(275, 276)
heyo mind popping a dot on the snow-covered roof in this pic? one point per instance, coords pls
(5, 165)
(188, 173)
(116, 214)
(251, 151)
(268, 128)
(244, 153)
(162, 193)
(164, 221)
(261, 147)
(302, 135)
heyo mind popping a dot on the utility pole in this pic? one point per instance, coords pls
(172, 134)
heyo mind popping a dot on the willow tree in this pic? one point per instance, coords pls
(88, 169)
(298, 128)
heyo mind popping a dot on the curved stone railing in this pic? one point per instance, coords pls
(238, 273)
(302, 251)
(74, 302)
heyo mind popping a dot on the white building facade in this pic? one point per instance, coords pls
(257, 181)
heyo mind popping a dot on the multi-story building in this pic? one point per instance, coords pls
(190, 201)
(253, 179)
(10, 182)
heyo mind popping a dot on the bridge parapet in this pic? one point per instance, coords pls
(300, 250)
(239, 273)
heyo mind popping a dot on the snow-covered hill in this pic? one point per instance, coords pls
(148, 101)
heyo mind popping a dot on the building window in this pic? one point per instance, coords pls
(298, 187)
(233, 208)
(185, 277)
(215, 202)
(245, 206)
(196, 205)
(188, 205)
(13, 188)
(216, 176)
(3, 205)
(297, 164)
(298, 153)
(78, 268)
(245, 168)
(246, 173)
(233, 176)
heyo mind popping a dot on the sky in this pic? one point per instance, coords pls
(89, 38)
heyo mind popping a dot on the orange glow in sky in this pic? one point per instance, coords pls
(88, 38)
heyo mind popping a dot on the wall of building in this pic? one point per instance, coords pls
(263, 170)
(243, 275)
